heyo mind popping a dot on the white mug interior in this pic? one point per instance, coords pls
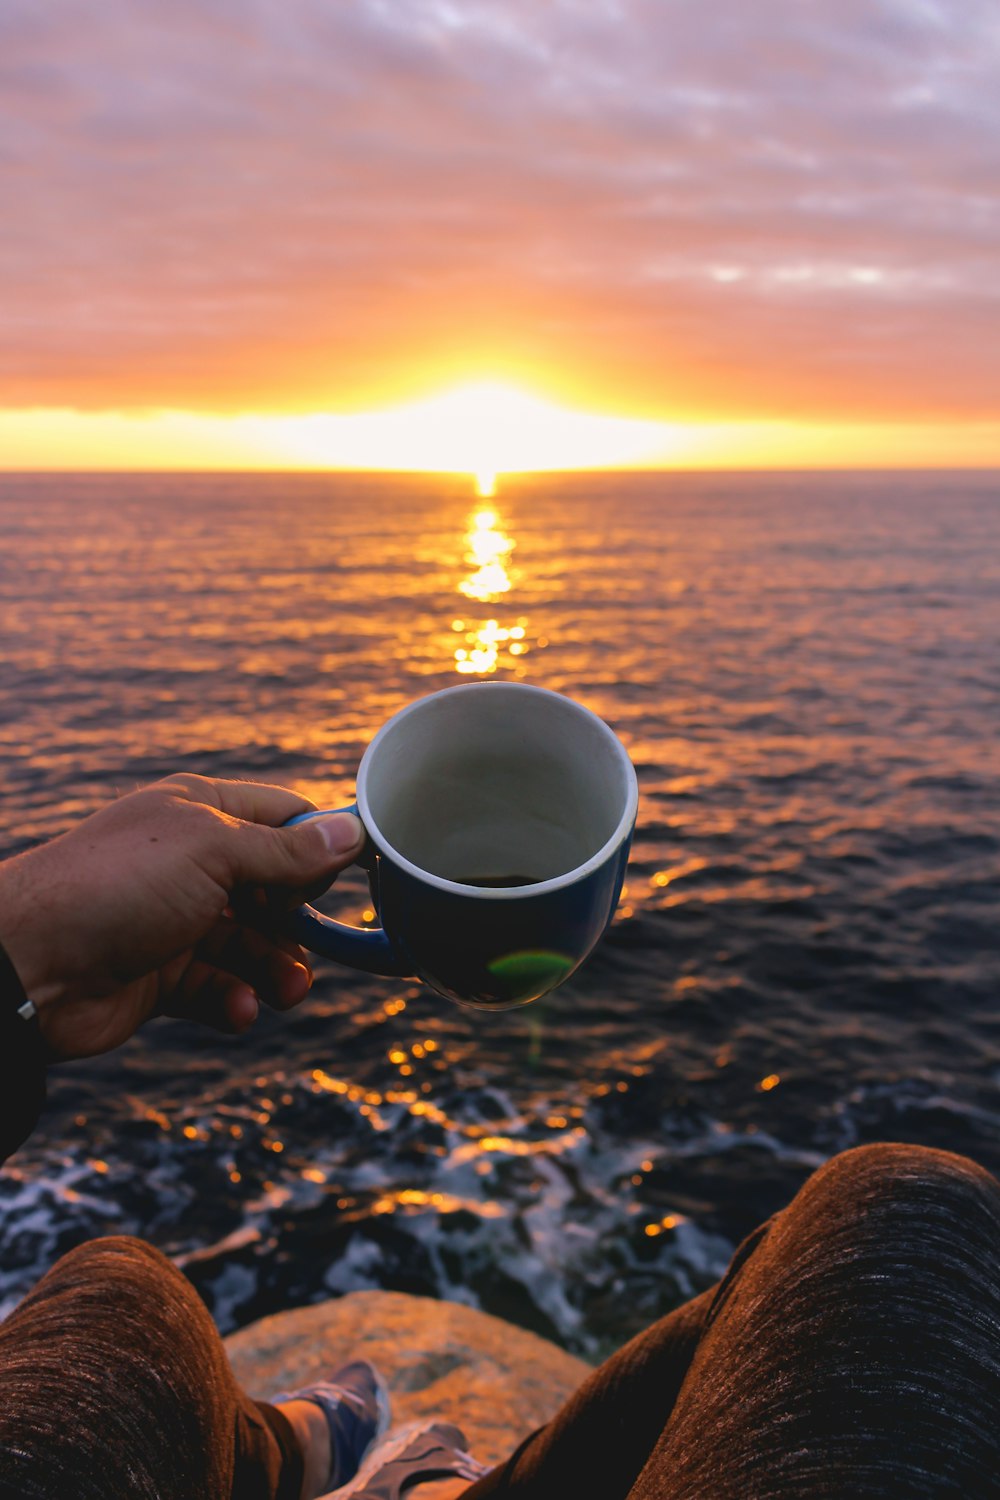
(497, 782)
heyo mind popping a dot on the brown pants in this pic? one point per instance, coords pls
(114, 1382)
(852, 1350)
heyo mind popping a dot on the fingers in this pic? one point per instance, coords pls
(250, 801)
(232, 971)
(308, 855)
(264, 907)
(274, 968)
(215, 999)
(248, 844)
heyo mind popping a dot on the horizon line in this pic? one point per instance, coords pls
(470, 474)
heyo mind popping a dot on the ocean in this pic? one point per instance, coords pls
(806, 671)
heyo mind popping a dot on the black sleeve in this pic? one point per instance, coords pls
(22, 1064)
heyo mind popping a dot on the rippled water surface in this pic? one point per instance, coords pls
(806, 671)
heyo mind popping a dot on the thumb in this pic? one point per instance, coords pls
(301, 856)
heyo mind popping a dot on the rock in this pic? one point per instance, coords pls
(441, 1359)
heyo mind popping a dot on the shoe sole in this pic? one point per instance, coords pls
(384, 1454)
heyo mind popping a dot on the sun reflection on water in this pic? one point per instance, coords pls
(488, 551)
(488, 644)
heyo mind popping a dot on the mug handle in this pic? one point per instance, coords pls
(365, 948)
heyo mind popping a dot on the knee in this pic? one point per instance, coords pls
(116, 1251)
(892, 1163)
(129, 1266)
(114, 1287)
(892, 1176)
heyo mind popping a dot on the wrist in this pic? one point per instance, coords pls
(14, 1003)
(27, 952)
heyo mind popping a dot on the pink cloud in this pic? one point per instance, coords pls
(774, 208)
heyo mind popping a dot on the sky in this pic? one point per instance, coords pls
(762, 232)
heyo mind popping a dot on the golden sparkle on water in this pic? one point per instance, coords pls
(488, 551)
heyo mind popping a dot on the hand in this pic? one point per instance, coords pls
(131, 914)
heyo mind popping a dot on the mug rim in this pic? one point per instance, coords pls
(510, 893)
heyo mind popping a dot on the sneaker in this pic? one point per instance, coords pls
(415, 1454)
(355, 1402)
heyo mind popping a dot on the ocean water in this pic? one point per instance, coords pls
(806, 671)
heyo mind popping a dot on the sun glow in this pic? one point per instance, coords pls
(483, 429)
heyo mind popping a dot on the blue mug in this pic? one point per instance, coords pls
(499, 818)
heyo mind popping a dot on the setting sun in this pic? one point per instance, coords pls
(483, 429)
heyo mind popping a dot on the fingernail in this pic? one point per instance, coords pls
(247, 1010)
(342, 833)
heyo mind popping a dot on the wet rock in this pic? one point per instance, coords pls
(441, 1359)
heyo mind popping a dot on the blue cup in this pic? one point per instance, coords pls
(499, 818)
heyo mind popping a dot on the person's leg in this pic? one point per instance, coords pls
(856, 1352)
(599, 1441)
(114, 1382)
(851, 1350)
